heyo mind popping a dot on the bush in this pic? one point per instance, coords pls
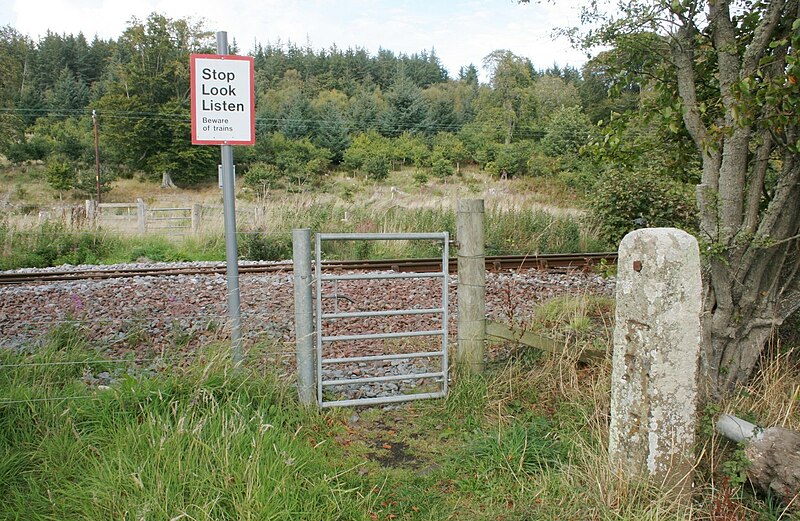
(283, 163)
(511, 159)
(258, 246)
(441, 167)
(262, 175)
(366, 147)
(568, 130)
(624, 201)
(377, 168)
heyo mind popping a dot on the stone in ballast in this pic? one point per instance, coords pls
(656, 347)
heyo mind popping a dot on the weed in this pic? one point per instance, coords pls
(260, 246)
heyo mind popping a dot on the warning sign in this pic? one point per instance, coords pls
(223, 96)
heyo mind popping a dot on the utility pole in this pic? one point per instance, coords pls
(96, 155)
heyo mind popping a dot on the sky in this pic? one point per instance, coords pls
(460, 32)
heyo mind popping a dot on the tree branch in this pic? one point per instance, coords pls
(762, 37)
(683, 58)
(784, 194)
(756, 184)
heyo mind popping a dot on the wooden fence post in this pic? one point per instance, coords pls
(197, 212)
(471, 286)
(141, 214)
(91, 213)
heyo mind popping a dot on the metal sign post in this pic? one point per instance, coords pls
(223, 113)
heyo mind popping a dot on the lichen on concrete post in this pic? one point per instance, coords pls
(657, 340)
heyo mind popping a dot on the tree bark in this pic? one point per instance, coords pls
(166, 180)
(750, 227)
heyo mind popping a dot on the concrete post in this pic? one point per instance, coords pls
(471, 286)
(656, 347)
(141, 215)
(303, 314)
(197, 212)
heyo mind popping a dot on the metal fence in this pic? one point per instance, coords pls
(325, 316)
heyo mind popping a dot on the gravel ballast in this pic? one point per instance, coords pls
(167, 318)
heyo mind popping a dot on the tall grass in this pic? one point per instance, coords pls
(206, 443)
(527, 440)
(508, 231)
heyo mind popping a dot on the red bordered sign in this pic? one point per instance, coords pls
(223, 100)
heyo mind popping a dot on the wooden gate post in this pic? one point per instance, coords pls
(471, 286)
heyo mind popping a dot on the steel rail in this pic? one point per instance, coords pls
(572, 261)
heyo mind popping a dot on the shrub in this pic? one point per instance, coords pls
(624, 201)
(441, 167)
(377, 168)
(510, 159)
(263, 247)
(262, 175)
(365, 147)
(568, 130)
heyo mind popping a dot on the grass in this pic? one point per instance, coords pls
(523, 231)
(517, 219)
(525, 441)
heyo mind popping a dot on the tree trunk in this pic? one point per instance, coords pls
(749, 226)
(166, 181)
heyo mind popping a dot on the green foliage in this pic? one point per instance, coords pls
(51, 244)
(333, 131)
(60, 174)
(510, 160)
(407, 109)
(287, 163)
(410, 149)
(71, 137)
(624, 201)
(367, 146)
(450, 147)
(540, 165)
(735, 467)
(259, 246)
(567, 130)
(149, 86)
(376, 167)
(263, 175)
(440, 166)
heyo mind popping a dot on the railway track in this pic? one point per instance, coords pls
(579, 261)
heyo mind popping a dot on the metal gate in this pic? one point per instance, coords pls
(325, 317)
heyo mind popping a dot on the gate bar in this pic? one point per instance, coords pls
(378, 358)
(383, 399)
(376, 379)
(374, 276)
(386, 313)
(375, 336)
(379, 236)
